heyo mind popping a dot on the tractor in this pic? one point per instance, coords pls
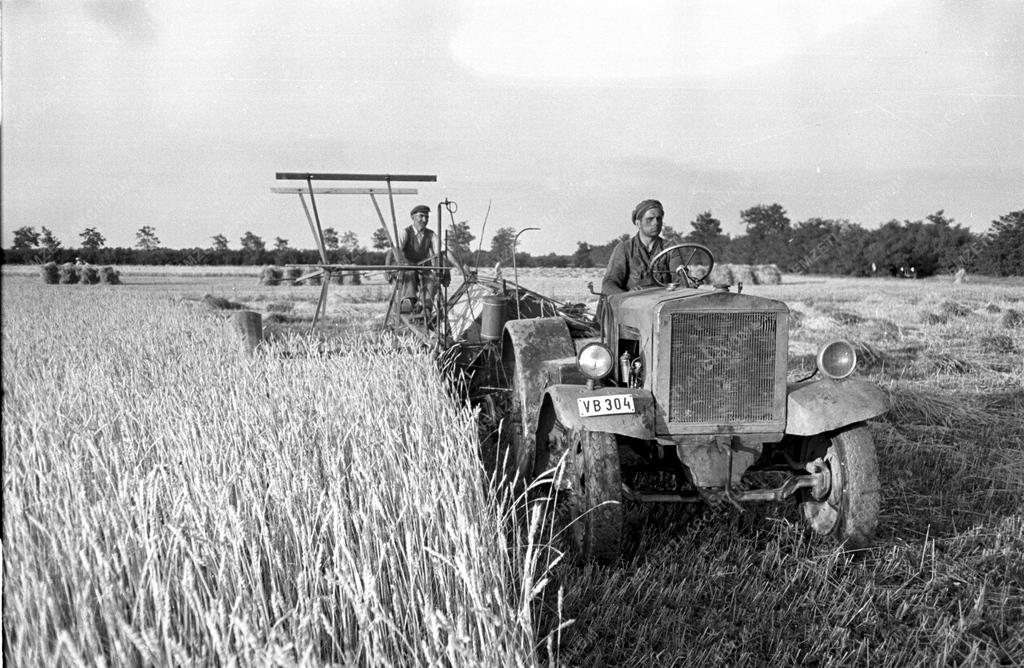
(680, 382)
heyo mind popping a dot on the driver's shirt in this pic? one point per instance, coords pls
(629, 267)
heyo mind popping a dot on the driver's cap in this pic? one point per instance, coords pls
(644, 206)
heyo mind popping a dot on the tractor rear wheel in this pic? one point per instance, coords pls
(849, 510)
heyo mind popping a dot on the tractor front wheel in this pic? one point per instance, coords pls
(588, 492)
(849, 510)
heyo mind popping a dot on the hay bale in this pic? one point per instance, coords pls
(338, 278)
(721, 275)
(842, 317)
(353, 278)
(742, 273)
(292, 273)
(270, 275)
(110, 276)
(954, 309)
(1001, 344)
(67, 274)
(767, 274)
(88, 275)
(276, 319)
(1012, 319)
(49, 273)
(221, 304)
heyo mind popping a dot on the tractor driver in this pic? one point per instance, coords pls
(629, 267)
(419, 245)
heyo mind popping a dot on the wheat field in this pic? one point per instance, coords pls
(169, 500)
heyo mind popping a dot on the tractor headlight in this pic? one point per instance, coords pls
(595, 361)
(837, 359)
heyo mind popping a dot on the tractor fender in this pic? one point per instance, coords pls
(826, 405)
(561, 400)
(526, 345)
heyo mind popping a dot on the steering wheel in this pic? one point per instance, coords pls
(693, 268)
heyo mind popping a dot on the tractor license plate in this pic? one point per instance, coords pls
(609, 404)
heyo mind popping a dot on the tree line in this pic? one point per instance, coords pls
(935, 244)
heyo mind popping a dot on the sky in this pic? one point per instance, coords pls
(559, 115)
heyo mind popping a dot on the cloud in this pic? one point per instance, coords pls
(601, 41)
(131, 20)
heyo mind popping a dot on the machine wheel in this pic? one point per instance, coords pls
(588, 512)
(849, 510)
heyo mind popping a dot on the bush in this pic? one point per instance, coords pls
(68, 274)
(49, 273)
(110, 276)
(88, 275)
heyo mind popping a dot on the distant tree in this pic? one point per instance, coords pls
(671, 236)
(280, 244)
(460, 239)
(582, 258)
(927, 247)
(380, 239)
(768, 234)
(765, 220)
(813, 246)
(501, 244)
(939, 218)
(330, 238)
(146, 239)
(220, 242)
(48, 241)
(25, 238)
(92, 239)
(349, 241)
(707, 231)
(253, 243)
(1003, 251)
(600, 255)
(348, 245)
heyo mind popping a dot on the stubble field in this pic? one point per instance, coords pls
(169, 500)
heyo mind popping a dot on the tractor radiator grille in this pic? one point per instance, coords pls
(722, 367)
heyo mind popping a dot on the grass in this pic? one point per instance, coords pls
(169, 500)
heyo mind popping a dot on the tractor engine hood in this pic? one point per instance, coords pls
(715, 360)
(637, 309)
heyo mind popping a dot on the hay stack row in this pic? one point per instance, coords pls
(70, 274)
(747, 274)
(290, 276)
